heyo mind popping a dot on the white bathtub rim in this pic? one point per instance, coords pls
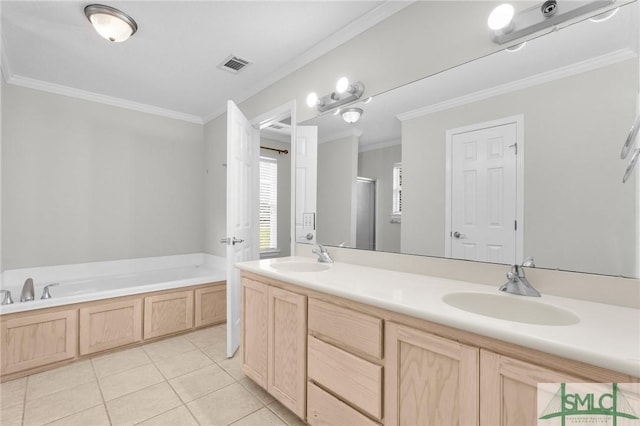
(207, 268)
(213, 276)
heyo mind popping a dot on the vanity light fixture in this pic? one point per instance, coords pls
(110, 23)
(506, 27)
(351, 115)
(345, 93)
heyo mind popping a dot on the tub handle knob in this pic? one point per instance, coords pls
(6, 299)
(45, 291)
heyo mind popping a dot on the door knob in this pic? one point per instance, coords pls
(231, 241)
(309, 236)
(458, 235)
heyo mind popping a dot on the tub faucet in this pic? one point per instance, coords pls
(6, 299)
(323, 254)
(45, 291)
(518, 283)
(27, 291)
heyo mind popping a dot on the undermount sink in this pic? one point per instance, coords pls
(299, 266)
(510, 308)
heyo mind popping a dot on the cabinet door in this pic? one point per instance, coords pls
(508, 389)
(429, 380)
(168, 313)
(287, 349)
(211, 305)
(110, 325)
(255, 311)
(35, 340)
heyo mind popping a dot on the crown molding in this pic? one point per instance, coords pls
(321, 48)
(339, 135)
(379, 145)
(103, 99)
(546, 77)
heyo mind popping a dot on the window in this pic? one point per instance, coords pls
(268, 204)
(397, 189)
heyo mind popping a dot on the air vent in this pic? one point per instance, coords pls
(277, 126)
(234, 64)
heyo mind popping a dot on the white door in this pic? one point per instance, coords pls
(483, 194)
(243, 164)
(306, 183)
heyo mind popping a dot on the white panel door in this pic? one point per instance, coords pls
(243, 174)
(483, 194)
(306, 183)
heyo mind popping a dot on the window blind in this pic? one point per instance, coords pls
(268, 204)
(397, 189)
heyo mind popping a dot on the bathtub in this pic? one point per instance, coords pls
(88, 282)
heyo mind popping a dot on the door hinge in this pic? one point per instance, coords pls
(515, 225)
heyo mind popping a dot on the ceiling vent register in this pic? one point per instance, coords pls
(234, 64)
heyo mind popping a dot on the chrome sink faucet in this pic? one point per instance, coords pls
(27, 291)
(323, 254)
(518, 283)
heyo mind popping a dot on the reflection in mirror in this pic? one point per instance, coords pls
(515, 154)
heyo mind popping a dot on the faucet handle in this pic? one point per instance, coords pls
(6, 300)
(45, 291)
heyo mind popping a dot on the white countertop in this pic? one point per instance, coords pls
(606, 335)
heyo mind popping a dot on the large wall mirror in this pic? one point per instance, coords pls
(513, 155)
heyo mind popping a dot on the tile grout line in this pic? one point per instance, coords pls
(104, 402)
(24, 401)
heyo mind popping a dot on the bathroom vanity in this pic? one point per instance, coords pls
(348, 344)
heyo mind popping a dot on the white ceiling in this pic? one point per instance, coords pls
(170, 65)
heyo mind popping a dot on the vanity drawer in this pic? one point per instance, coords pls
(355, 330)
(348, 376)
(323, 409)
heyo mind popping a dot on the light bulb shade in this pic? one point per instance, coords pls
(342, 85)
(351, 115)
(312, 99)
(111, 23)
(501, 18)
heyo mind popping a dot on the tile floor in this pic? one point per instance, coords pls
(181, 381)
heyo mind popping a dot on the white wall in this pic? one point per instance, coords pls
(378, 164)
(83, 182)
(284, 191)
(572, 171)
(336, 198)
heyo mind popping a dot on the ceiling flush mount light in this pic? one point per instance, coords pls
(351, 115)
(506, 27)
(111, 23)
(345, 93)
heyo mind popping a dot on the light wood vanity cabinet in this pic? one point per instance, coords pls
(369, 366)
(109, 325)
(344, 365)
(429, 380)
(508, 389)
(35, 340)
(274, 342)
